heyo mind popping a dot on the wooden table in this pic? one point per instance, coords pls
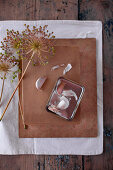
(69, 10)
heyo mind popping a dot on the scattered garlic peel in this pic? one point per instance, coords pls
(67, 68)
(56, 67)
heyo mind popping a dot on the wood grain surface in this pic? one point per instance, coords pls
(69, 9)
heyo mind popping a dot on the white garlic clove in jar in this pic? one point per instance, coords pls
(63, 104)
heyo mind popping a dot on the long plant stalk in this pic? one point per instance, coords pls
(16, 87)
(2, 87)
(21, 109)
(21, 113)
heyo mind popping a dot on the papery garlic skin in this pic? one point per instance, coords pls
(67, 68)
(57, 66)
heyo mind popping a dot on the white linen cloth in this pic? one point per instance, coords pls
(10, 143)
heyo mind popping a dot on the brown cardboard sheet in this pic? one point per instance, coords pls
(81, 53)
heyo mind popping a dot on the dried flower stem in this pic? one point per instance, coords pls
(21, 110)
(2, 87)
(21, 113)
(17, 86)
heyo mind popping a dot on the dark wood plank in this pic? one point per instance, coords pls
(103, 10)
(19, 9)
(34, 10)
(54, 9)
(63, 162)
(22, 162)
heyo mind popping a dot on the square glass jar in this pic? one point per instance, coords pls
(65, 98)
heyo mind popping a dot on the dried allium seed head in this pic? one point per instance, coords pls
(36, 41)
(12, 41)
(39, 42)
(5, 66)
(7, 62)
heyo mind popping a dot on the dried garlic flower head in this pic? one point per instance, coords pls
(6, 64)
(37, 42)
(5, 67)
(11, 42)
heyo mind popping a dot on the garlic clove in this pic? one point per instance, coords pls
(63, 104)
(39, 83)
